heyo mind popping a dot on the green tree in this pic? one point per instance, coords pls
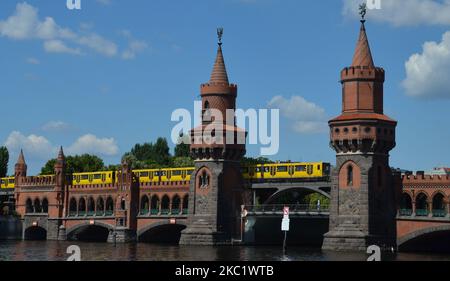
(254, 161)
(161, 152)
(4, 159)
(182, 149)
(182, 162)
(76, 164)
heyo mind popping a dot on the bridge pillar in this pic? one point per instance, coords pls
(364, 192)
(122, 235)
(216, 187)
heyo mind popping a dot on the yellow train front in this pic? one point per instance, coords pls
(7, 183)
(309, 171)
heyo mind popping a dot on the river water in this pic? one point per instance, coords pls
(56, 251)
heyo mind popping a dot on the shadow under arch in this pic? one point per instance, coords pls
(97, 232)
(161, 232)
(293, 195)
(431, 239)
(35, 233)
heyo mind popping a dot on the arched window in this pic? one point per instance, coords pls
(206, 112)
(45, 206)
(82, 207)
(165, 205)
(29, 206)
(37, 206)
(109, 206)
(91, 206)
(422, 205)
(204, 180)
(123, 204)
(405, 205)
(72, 207)
(145, 205)
(349, 175)
(176, 205)
(185, 204)
(439, 206)
(155, 204)
(100, 207)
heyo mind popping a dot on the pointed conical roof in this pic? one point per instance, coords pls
(362, 56)
(21, 159)
(219, 73)
(61, 154)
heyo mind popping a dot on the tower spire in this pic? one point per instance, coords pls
(219, 73)
(21, 159)
(363, 55)
(61, 156)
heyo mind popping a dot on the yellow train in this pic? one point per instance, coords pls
(7, 183)
(286, 171)
(266, 172)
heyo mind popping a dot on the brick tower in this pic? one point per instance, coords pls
(363, 206)
(217, 146)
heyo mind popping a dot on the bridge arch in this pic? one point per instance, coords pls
(86, 231)
(35, 233)
(161, 232)
(432, 239)
(303, 190)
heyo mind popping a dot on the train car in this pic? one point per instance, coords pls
(148, 175)
(286, 171)
(107, 177)
(7, 183)
(176, 174)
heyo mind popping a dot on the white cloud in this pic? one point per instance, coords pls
(307, 117)
(33, 146)
(54, 126)
(407, 12)
(25, 24)
(134, 48)
(427, 73)
(57, 46)
(92, 145)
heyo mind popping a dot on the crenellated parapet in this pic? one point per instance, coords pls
(36, 181)
(362, 73)
(425, 181)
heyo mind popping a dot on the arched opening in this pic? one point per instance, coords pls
(109, 206)
(35, 233)
(185, 204)
(155, 204)
(145, 205)
(72, 207)
(432, 242)
(45, 206)
(176, 205)
(165, 205)
(439, 209)
(89, 233)
(37, 206)
(349, 175)
(299, 199)
(82, 207)
(91, 207)
(163, 234)
(406, 205)
(422, 205)
(29, 206)
(100, 208)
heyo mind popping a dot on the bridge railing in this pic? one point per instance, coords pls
(294, 208)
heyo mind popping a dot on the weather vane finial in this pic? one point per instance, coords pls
(220, 34)
(363, 11)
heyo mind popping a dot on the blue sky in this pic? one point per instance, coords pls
(100, 79)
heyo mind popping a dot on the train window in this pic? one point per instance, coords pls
(318, 167)
(84, 177)
(3, 181)
(143, 174)
(266, 169)
(97, 176)
(176, 172)
(300, 168)
(11, 180)
(282, 169)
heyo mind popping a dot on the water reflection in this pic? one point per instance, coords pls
(56, 251)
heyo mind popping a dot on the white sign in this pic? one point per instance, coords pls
(285, 224)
